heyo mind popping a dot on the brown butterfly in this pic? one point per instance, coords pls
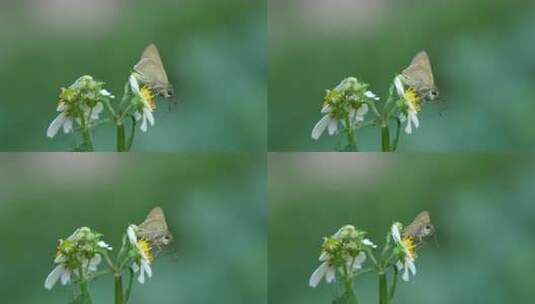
(154, 229)
(420, 227)
(419, 76)
(152, 73)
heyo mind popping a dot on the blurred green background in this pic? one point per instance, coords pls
(481, 205)
(482, 52)
(214, 204)
(214, 52)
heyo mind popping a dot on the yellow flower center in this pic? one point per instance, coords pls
(145, 247)
(408, 244)
(412, 97)
(147, 95)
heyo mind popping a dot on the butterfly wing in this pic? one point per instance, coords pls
(151, 68)
(415, 228)
(155, 226)
(419, 72)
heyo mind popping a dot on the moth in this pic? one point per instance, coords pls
(419, 76)
(152, 72)
(154, 229)
(420, 227)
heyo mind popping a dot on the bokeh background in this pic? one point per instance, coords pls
(214, 205)
(482, 52)
(481, 205)
(214, 52)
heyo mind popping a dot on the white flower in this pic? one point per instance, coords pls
(61, 271)
(411, 100)
(143, 248)
(143, 113)
(409, 254)
(329, 122)
(66, 121)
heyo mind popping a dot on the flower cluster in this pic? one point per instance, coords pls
(344, 251)
(141, 254)
(405, 251)
(346, 104)
(81, 104)
(77, 256)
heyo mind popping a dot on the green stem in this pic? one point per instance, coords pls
(394, 283)
(121, 146)
(351, 141)
(385, 138)
(86, 136)
(352, 298)
(129, 287)
(84, 287)
(118, 289)
(383, 298)
(132, 134)
(396, 139)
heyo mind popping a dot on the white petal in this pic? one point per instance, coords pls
(95, 261)
(131, 234)
(408, 128)
(143, 126)
(146, 266)
(97, 109)
(333, 126)
(105, 92)
(330, 275)
(320, 127)
(414, 119)
(326, 109)
(405, 275)
(134, 84)
(137, 116)
(399, 86)
(412, 267)
(370, 94)
(149, 115)
(399, 265)
(367, 242)
(53, 276)
(141, 277)
(135, 267)
(65, 277)
(324, 256)
(67, 125)
(55, 125)
(396, 235)
(318, 274)
(104, 245)
(359, 259)
(361, 112)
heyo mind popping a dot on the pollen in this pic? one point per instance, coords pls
(408, 243)
(144, 246)
(147, 94)
(412, 97)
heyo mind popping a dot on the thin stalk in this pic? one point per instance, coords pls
(352, 142)
(86, 136)
(394, 283)
(385, 138)
(396, 139)
(121, 146)
(349, 288)
(129, 286)
(132, 134)
(118, 289)
(84, 287)
(383, 297)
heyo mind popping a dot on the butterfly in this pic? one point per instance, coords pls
(152, 73)
(419, 76)
(154, 229)
(420, 227)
